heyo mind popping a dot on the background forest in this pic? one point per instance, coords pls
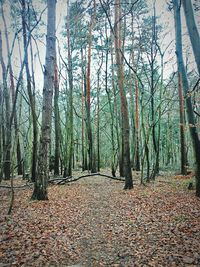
(96, 95)
(120, 89)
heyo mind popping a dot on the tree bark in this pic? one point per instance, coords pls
(40, 186)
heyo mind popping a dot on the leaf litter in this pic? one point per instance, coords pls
(93, 222)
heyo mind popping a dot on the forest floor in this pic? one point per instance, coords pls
(94, 222)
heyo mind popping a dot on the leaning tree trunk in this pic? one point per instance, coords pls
(192, 30)
(40, 186)
(185, 84)
(124, 105)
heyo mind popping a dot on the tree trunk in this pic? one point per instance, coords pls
(115, 119)
(153, 89)
(40, 186)
(56, 123)
(70, 150)
(185, 84)
(182, 128)
(98, 122)
(83, 92)
(124, 106)
(12, 87)
(30, 94)
(1, 134)
(137, 155)
(192, 30)
(92, 163)
(8, 136)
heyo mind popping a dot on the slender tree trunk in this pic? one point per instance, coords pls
(137, 152)
(182, 128)
(132, 122)
(30, 94)
(192, 30)
(153, 89)
(98, 122)
(83, 91)
(40, 186)
(12, 87)
(115, 122)
(56, 123)
(8, 136)
(113, 165)
(185, 84)
(91, 153)
(70, 77)
(157, 161)
(124, 105)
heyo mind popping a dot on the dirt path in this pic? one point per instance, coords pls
(97, 248)
(94, 222)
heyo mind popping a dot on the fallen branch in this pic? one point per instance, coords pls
(17, 187)
(71, 179)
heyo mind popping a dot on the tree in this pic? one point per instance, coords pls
(40, 186)
(31, 94)
(182, 127)
(57, 123)
(192, 30)
(124, 106)
(12, 89)
(70, 146)
(187, 95)
(91, 152)
(8, 128)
